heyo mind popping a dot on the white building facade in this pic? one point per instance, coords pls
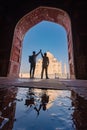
(55, 69)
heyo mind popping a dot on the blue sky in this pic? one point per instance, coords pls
(47, 36)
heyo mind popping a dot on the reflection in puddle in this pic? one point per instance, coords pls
(41, 109)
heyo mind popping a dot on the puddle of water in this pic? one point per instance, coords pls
(41, 109)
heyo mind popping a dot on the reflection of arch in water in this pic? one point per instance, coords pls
(29, 20)
(53, 94)
(7, 107)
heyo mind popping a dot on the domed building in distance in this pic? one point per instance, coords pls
(54, 69)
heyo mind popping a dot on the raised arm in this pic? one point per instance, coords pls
(41, 54)
(38, 53)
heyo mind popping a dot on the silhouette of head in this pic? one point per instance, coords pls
(45, 54)
(34, 52)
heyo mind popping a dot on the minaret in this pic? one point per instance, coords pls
(65, 70)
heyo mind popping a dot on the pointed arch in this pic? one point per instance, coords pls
(28, 21)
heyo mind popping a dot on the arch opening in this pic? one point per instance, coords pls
(28, 21)
(51, 38)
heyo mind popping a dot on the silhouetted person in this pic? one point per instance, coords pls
(44, 101)
(45, 63)
(30, 98)
(33, 63)
(43, 104)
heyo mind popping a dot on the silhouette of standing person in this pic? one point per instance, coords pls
(33, 63)
(45, 63)
(44, 101)
(43, 104)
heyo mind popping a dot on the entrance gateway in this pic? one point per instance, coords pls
(28, 21)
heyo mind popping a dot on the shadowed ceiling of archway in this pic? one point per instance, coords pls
(16, 5)
(39, 14)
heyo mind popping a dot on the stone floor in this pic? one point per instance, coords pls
(79, 86)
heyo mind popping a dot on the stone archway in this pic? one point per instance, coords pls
(29, 20)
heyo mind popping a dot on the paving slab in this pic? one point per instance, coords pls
(79, 86)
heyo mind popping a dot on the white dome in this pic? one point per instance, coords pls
(50, 55)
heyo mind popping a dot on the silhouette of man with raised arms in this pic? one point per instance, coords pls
(33, 63)
(45, 63)
(43, 104)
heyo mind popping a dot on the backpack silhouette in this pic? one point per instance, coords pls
(30, 59)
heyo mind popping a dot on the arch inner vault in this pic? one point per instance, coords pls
(28, 21)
